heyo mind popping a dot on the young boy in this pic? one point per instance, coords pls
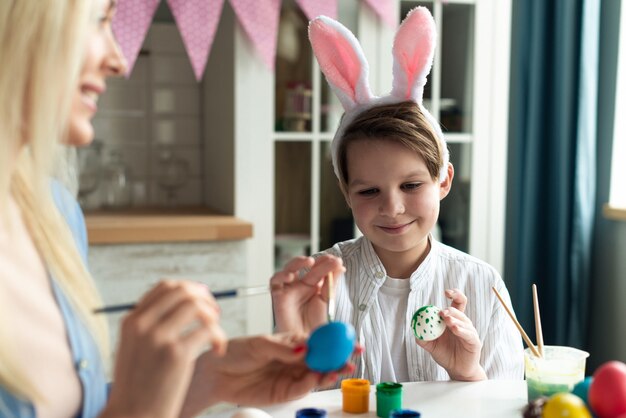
(392, 164)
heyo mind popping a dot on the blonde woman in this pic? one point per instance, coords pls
(57, 55)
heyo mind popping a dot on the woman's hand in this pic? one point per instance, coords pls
(458, 348)
(300, 304)
(256, 371)
(160, 342)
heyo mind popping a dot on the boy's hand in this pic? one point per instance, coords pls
(458, 348)
(300, 304)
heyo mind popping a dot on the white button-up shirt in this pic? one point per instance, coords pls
(443, 268)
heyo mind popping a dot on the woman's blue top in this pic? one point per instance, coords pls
(85, 353)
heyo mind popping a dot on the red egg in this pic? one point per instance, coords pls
(607, 393)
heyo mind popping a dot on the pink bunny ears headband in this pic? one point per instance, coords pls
(342, 61)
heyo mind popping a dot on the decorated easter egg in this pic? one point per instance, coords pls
(427, 324)
(607, 393)
(581, 389)
(565, 404)
(330, 347)
(250, 413)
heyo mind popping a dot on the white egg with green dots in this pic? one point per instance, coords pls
(427, 324)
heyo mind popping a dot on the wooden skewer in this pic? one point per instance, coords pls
(331, 298)
(517, 324)
(537, 321)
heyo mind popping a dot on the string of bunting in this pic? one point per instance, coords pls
(197, 21)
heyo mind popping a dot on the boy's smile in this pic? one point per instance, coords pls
(394, 200)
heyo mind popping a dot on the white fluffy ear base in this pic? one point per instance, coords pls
(342, 61)
(413, 51)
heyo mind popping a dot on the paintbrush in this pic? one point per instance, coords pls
(221, 294)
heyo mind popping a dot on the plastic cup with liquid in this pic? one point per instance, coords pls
(557, 371)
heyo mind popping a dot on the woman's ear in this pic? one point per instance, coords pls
(446, 184)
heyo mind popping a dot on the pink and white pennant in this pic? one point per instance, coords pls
(259, 19)
(386, 10)
(197, 21)
(130, 25)
(315, 8)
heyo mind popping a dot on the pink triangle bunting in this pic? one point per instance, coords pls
(259, 19)
(197, 21)
(386, 10)
(314, 8)
(130, 25)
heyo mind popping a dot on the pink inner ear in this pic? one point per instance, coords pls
(414, 46)
(336, 57)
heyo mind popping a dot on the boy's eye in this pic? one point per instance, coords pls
(367, 192)
(411, 186)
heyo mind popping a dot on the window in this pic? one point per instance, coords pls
(617, 198)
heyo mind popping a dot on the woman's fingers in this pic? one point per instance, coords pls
(174, 310)
(213, 335)
(283, 347)
(166, 295)
(193, 318)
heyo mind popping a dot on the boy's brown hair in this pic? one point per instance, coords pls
(403, 123)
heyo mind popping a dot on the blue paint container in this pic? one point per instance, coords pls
(404, 413)
(311, 413)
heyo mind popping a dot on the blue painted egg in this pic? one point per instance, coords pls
(330, 346)
(581, 389)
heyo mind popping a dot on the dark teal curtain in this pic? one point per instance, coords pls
(552, 163)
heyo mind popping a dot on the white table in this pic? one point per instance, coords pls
(487, 399)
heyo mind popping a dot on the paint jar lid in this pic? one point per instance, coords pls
(311, 413)
(389, 388)
(404, 413)
(356, 386)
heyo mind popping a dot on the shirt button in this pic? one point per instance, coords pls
(83, 364)
(362, 307)
(380, 275)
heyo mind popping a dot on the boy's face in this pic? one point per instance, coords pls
(393, 198)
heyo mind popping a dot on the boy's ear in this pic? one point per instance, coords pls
(345, 194)
(446, 185)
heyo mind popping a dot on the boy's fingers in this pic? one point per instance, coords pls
(458, 298)
(297, 263)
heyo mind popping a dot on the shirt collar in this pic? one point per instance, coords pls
(376, 270)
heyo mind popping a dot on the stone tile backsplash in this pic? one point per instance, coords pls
(157, 108)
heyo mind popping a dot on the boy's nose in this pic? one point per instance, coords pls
(391, 205)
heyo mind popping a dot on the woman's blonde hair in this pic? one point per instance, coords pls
(43, 42)
(403, 123)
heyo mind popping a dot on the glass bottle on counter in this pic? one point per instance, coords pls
(173, 174)
(117, 188)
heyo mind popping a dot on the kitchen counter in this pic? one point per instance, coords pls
(163, 225)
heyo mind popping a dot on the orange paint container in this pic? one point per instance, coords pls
(356, 395)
